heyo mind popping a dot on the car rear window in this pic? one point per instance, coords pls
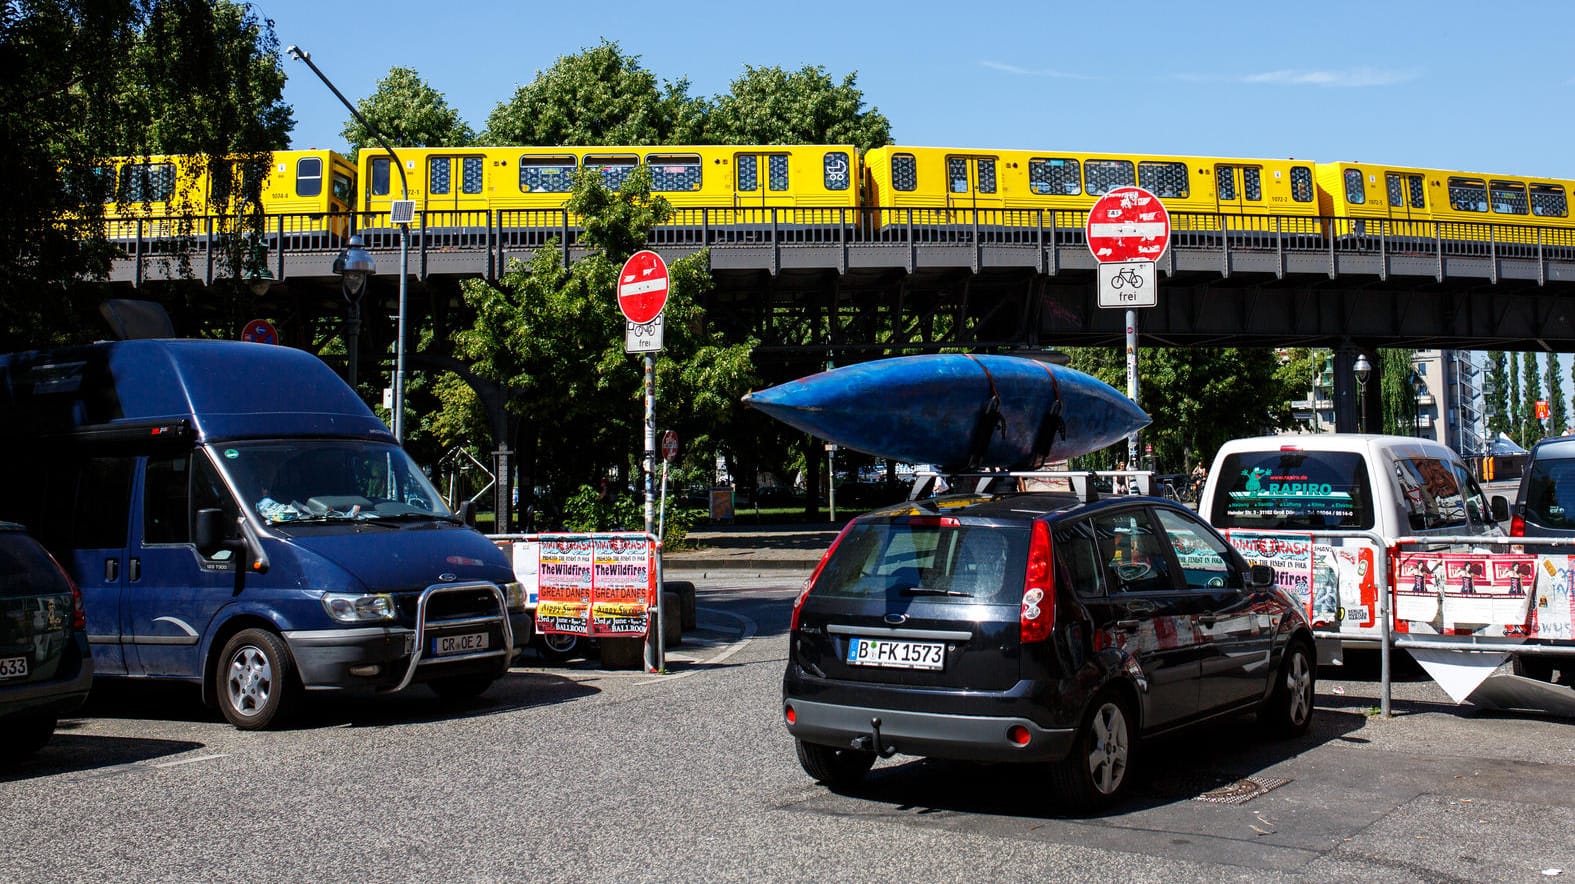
(930, 558)
(1293, 490)
(26, 570)
(1550, 493)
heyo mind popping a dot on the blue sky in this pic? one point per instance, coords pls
(1445, 84)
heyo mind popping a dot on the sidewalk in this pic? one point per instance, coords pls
(759, 549)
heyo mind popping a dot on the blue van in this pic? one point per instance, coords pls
(237, 517)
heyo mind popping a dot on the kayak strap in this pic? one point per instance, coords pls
(1052, 425)
(988, 424)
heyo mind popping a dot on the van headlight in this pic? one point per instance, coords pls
(359, 608)
(514, 595)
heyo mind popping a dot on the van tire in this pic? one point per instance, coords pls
(255, 681)
(1288, 710)
(458, 688)
(1534, 666)
(1097, 773)
(25, 735)
(836, 768)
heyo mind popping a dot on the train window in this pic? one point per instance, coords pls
(147, 182)
(309, 176)
(1103, 176)
(748, 172)
(673, 171)
(380, 171)
(1225, 183)
(1355, 189)
(614, 169)
(554, 174)
(1415, 192)
(1252, 183)
(1548, 201)
(777, 172)
(1055, 176)
(957, 174)
(838, 172)
(1468, 195)
(438, 178)
(102, 181)
(344, 188)
(986, 174)
(1164, 180)
(1301, 184)
(904, 172)
(1509, 198)
(470, 174)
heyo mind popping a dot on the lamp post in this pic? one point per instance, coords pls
(353, 265)
(1418, 390)
(299, 54)
(1363, 370)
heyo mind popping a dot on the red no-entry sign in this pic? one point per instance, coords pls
(1128, 224)
(642, 287)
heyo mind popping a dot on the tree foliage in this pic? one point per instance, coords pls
(1558, 416)
(598, 96)
(1530, 391)
(768, 105)
(1397, 392)
(90, 80)
(1498, 405)
(408, 112)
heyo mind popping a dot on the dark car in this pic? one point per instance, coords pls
(45, 666)
(1545, 507)
(1035, 627)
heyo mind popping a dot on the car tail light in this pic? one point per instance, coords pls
(78, 613)
(1038, 614)
(798, 604)
(1517, 526)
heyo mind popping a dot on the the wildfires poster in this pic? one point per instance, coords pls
(593, 586)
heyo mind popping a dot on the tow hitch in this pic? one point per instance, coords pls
(873, 742)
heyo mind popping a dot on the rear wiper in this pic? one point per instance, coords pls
(926, 590)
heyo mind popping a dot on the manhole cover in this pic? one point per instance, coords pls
(1242, 791)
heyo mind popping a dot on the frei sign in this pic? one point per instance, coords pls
(1128, 230)
(642, 295)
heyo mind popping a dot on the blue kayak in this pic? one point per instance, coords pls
(956, 410)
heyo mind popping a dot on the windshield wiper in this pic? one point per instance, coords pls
(926, 590)
(409, 517)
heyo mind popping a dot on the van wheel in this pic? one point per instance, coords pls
(1533, 666)
(555, 647)
(837, 768)
(1097, 772)
(25, 735)
(256, 680)
(460, 687)
(1288, 710)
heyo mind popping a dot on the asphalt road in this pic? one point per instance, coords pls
(575, 773)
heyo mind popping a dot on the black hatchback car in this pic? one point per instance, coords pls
(1035, 627)
(1545, 508)
(45, 667)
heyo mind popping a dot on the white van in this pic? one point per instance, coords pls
(1318, 508)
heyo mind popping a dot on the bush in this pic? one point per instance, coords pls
(585, 511)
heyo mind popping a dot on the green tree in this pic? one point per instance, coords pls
(1498, 404)
(408, 113)
(1558, 417)
(136, 77)
(551, 339)
(1531, 391)
(598, 96)
(1396, 394)
(1198, 397)
(768, 105)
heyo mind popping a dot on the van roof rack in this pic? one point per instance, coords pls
(1080, 483)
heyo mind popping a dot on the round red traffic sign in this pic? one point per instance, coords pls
(669, 446)
(1128, 224)
(642, 287)
(260, 331)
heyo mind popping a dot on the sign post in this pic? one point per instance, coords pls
(1128, 230)
(642, 295)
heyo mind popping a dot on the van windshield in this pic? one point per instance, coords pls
(1293, 490)
(320, 479)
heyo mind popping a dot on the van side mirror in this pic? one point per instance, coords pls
(1500, 508)
(210, 531)
(467, 512)
(1260, 577)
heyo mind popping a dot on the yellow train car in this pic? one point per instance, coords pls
(1012, 187)
(1424, 204)
(311, 191)
(453, 186)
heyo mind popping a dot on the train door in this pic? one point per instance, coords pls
(971, 183)
(1238, 189)
(455, 183)
(1407, 196)
(761, 179)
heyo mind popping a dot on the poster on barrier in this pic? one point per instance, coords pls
(1553, 612)
(564, 587)
(621, 581)
(1335, 578)
(1485, 594)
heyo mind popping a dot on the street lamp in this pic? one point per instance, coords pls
(1418, 390)
(1363, 370)
(299, 54)
(353, 265)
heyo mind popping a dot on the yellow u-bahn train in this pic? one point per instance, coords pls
(882, 189)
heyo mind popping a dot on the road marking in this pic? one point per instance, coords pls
(181, 761)
(749, 629)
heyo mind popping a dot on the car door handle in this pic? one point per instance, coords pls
(134, 569)
(1128, 625)
(1142, 606)
(111, 570)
